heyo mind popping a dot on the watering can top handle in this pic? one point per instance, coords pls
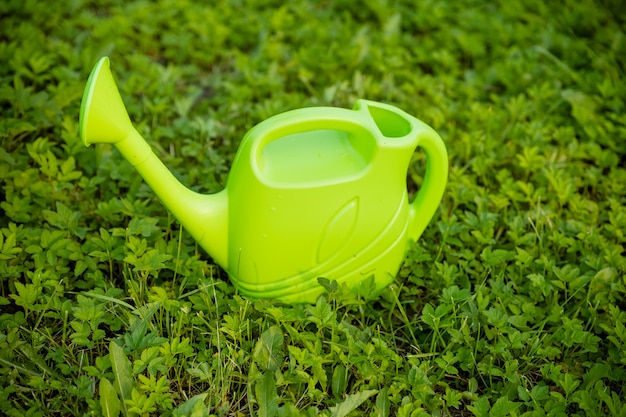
(425, 203)
(308, 119)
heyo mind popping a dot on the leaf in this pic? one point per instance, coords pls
(480, 407)
(7, 248)
(320, 373)
(503, 407)
(65, 219)
(428, 316)
(600, 285)
(338, 384)
(66, 95)
(321, 314)
(109, 401)
(329, 286)
(597, 372)
(568, 383)
(150, 261)
(268, 350)
(583, 106)
(26, 295)
(67, 170)
(144, 226)
(383, 404)
(193, 407)
(289, 410)
(14, 127)
(265, 392)
(351, 403)
(122, 371)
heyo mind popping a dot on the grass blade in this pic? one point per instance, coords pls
(123, 374)
(109, 401)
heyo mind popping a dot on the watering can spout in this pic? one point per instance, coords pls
(104, 119)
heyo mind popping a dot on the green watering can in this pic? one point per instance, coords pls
(314, 192)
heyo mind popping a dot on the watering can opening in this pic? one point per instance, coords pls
(390, 124)
(315, 157)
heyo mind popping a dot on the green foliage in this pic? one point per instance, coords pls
(512, 303)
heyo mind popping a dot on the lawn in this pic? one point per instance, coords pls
(513, 301)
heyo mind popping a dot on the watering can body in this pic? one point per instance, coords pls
(313, 192)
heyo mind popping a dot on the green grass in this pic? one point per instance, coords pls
(513, 302)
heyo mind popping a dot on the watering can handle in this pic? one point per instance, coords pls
(307, 119)
(425, 203)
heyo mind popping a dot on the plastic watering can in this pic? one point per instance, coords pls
(314, 192)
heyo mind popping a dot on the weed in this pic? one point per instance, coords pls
(511, 303)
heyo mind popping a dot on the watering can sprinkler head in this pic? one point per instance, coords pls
(313, 192)
(103, 116)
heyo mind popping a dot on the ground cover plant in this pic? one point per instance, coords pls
(511, 303)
